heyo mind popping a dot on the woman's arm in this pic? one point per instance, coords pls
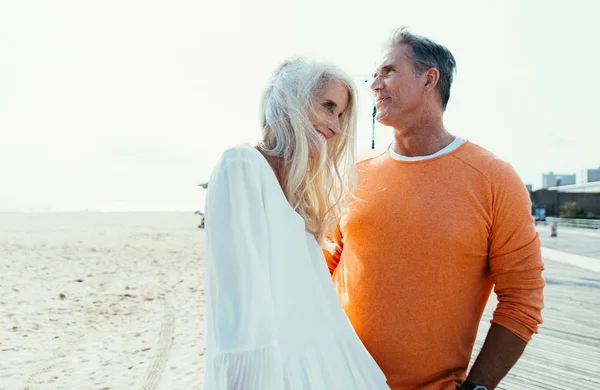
(240, 312)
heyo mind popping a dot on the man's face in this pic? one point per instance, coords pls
(397, 89)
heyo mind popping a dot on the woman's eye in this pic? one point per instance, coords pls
(329, 105)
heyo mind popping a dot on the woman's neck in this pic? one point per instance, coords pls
(276, 164)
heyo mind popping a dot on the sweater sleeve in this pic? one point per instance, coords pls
(240, 312)
(514, 255)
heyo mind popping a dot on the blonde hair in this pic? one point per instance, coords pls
(316, 188)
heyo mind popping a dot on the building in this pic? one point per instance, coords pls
(589, 176)
(592, 187)
(553, 180)
(549, 200)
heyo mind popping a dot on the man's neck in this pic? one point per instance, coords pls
(421, 139)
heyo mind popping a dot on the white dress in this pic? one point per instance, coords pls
(273, 317)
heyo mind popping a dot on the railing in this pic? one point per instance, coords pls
(576, 223)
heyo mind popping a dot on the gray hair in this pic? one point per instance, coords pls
(317, 188)
(426, 54)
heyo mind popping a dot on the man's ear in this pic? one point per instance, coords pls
(432, 77)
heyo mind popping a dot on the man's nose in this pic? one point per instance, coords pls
(376, 85)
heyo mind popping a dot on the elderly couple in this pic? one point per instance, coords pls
(325, 272)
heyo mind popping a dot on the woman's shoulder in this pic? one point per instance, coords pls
(241, 161)
(240, 152)
(238, 156)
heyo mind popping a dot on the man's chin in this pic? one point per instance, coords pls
(382, 118)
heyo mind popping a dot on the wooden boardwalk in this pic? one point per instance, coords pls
(566, 352)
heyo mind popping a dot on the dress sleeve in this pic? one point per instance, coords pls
(240, 311)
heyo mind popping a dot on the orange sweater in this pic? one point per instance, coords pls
(422, 246)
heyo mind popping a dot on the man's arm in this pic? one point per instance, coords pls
(516, 269)
(333, 256)
(499, 353)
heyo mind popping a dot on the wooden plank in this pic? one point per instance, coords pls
(566, 352)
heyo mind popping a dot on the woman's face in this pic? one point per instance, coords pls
(332, 102)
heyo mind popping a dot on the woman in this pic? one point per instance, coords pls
(273, 317)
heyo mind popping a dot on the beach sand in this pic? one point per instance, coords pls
(101, 301)
(116, 301)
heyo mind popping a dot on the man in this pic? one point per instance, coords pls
(437, 222)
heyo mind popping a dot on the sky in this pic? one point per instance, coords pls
(127, 105)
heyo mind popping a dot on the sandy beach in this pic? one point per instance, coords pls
(101, 301)
(116, 301)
